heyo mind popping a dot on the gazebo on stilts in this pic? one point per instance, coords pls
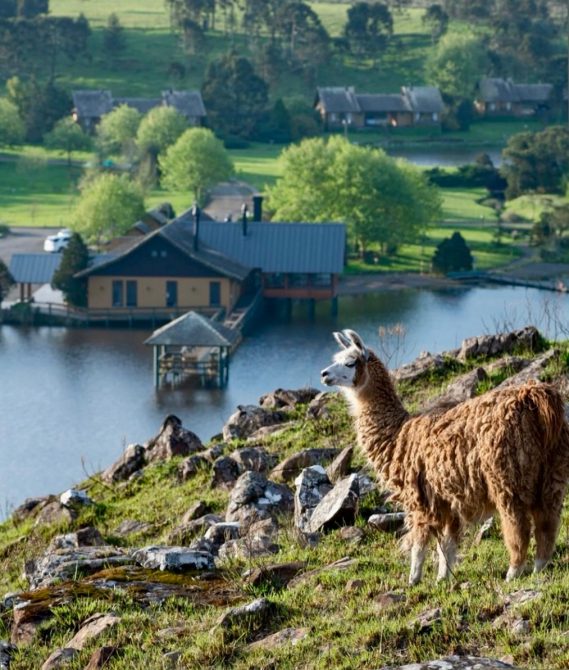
(192, 347)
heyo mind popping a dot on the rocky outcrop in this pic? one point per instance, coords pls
(311, 487)
(455, 663)
(84, 537)
(75, 499)
(173, 559)
(259, 540)
(55, 513)
(280, 398)
(92, 628)
(30, 507)
(191, 466)
(339, 506)
(253, 612)
(293, 465)
(533, 371)
(172, 440)
(190, 528)
(248, 419)
(340, 466)
(132, 460)
(283, 637)
(389, 522)
(225, 473)
(318, 408)
(526, 339)
(423, 365)
(256, 459)
(255, 498)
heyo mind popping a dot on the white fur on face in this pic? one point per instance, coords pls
(343, 369)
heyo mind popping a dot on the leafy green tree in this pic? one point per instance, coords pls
(304, 38)
(159, 129)
(117, 131)
(382, 200)
(67, 136)
(276, 126)
(234, 95)
(368, 28)
(452, 255)
(457, 64)
(109, 205)
(6, 280)
(74, 259)
(12, 128)
(537, 162)
(196, 162)
(114, 42)
(436, 20)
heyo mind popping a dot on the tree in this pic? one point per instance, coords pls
(382, 200)
(114, 42)
(74, 259)
(67, 136)
(537, 162)
(234, 95)
(368, 28)
(117, 130)
(304, 38)
(452, 255)
(12, 128)
(436, 19)
(159, 129)
(109, 205)
(457, 64)
(276, 126)
(6, 280)
(196, 162)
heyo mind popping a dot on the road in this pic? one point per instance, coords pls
(24, 241)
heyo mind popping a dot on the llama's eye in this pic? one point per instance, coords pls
(351, 365)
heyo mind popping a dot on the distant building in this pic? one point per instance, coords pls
(89, 106)
(342, 107)
(503, 97)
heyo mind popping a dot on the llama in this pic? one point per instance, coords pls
(504, 451)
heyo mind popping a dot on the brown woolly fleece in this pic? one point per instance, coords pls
(505, 451)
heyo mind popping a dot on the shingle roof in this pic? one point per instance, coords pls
(34, 268)
(188, 103)
(423, 99)
(383, 102)
(92, 103)
(193, 330)
(505, 90)
(338, 100)
(142, 105)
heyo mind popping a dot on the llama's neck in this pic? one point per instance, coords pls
(379, 415)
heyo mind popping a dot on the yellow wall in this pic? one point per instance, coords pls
(192, 291)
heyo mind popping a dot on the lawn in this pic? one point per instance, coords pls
(531, 207)
(460, 204)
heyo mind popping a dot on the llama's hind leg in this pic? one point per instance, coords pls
(516, 527)
(546, 523)
(447, 545)
(420, 539)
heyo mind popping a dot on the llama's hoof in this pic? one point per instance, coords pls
(539, 565)
(414, 580)
(514, 572)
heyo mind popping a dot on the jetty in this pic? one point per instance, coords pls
(493, 277)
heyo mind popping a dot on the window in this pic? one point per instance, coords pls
(435, 116)
(214, 294)
(171, 294)
(131, 293)
(118, 293)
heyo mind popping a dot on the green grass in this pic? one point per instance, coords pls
(347, 629)
(460, 204)
(531, 207)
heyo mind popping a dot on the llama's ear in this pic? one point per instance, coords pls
(342, 340)
(357, 341)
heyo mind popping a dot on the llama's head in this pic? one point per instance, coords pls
(349, 369)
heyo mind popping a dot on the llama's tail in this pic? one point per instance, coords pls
(549, 410)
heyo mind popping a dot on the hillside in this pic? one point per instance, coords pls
(341, 599)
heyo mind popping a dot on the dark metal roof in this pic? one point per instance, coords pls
(92, 103)
(188, 103)
(424, 99)
(34, 268)
(383, 102)
(193, 330)
(279, 247)
(505, 90)
(338, 100)
(141, 105)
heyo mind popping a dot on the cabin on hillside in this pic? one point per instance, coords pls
(342, 107)
(90, 106)
(503, 97)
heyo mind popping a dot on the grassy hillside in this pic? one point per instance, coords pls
(356, 618)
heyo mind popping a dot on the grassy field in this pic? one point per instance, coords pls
(357, 618)
(531, 207)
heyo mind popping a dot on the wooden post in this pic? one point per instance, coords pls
(334, 306)
(156, 367)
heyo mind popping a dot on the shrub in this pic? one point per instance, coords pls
(452, 255)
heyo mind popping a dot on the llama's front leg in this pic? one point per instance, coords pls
(446, 549)
(418, 553)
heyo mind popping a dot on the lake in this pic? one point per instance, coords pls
(444, 155)
(72, 399)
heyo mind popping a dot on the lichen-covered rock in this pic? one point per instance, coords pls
(55, 512)
(84, 537)
(30, 507)
(311, 486)
(276, 574)
(339, 506)
(527, 339)
(423, 365)
(7, 650)
(94, 626)
(455, 663)
(318, 407)
(132, 460)
(190, 467)
(173, 559)
(74, 499)
(389, 522)
(533, 371)
(220, 533)
(256, 611)
(248, 419)
(225, 473)
(255, 498)
(340, 466)
(186, 531)
(59, 658)
(293, 465)
(172, 440)
(256, 459)
(280, 398)
(282, 637)
(132, 527)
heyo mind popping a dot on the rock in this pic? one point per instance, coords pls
(55, 513)
(455, 663)
(214, 452)
(173, 559)
(520, 627)
(389, 599)
(426, 620)
(249, 418)
(256, 459)
(7, 650)
(293, 465)
(197, 510)
(318, 408)
(69, 563)
(351, 534)
(191, 466)
(277, 575)
(84, 537)
(340, 466)
(30, 507)
(220, 533)
(92, 628)
(101, 657)
(354, 585)
(423, 365)
(255, 497)
(338, 507)
(256, 611)
(286, 636)
(311, 486)
(132, 460)
(366, 484)
(512, 364)
(132, 527)
(533, 371)
(171, 658)
(521, 597)
(341, 564)
(388, 523)
(259, 540)
(225, 473)
(74, 499)
(462, 388)
(287, 398)
(59, 658)
(267, 431)
(26, 620)
(187, 530)
(527, 339)
(172, 440)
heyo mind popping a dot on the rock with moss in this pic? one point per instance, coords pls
(255, 497)
(455, 663)
(248, 419)
(132, 460)
(172, 440)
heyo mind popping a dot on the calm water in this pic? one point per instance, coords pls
(73, 396)
(444, 155)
